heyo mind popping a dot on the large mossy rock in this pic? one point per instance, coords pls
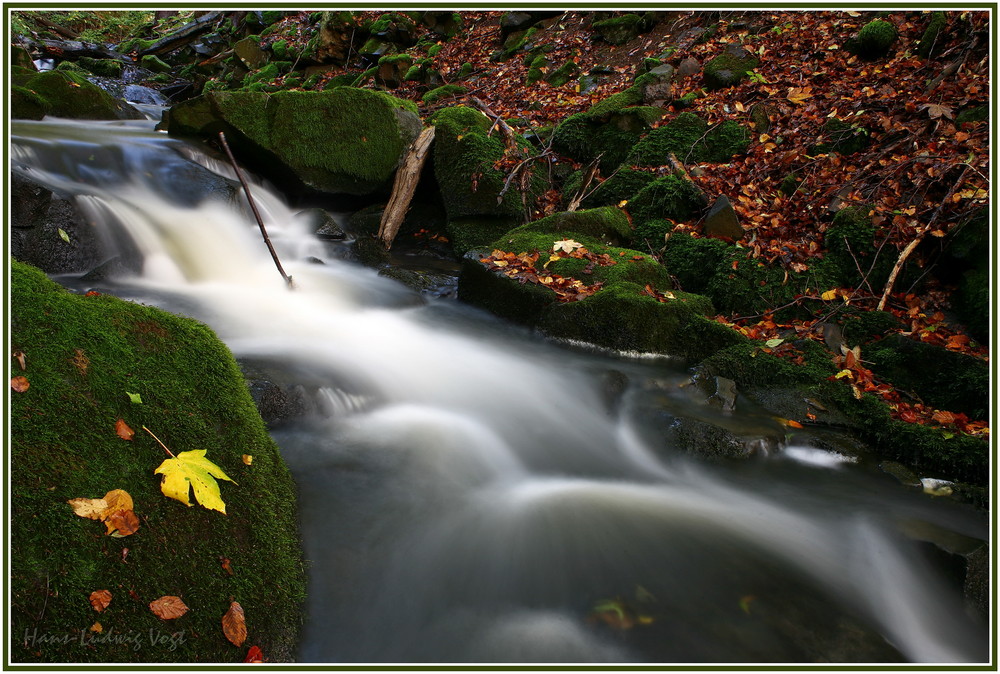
(874, 40)
(339, 141)
(729, 68)
(690, 139)
(62, 93)
(84, 357)
(620, 314)
(943, 379)
(620, 29)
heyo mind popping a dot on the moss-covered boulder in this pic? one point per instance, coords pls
(102, 67)
(672, 197)
(932, 41)
(852, 256)
(689, 137)
(155, 64)
(465, 157)
(944, 379)
(625, 302)
(607, 130)
(392, 70)
(620, 29)
(874, 40)
(343, 140)
(26, 104)
(86, 359)
(728, 68)
(620, 186)
(69, 94)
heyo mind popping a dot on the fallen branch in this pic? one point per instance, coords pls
(911, 246)
(588, 177)
(256, 213)
(510, 136)
(183, 35)
(404, 186)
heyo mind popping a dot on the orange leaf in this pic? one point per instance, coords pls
(100, 599)
(225, 565)
(122, 523)
(168, 607)
(19, 384)
(942, 417)
(254, 655)
(234, 624)
(123, 431)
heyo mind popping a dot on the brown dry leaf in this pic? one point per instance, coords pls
(19, 384)
(81, 362)
(799, 95)
(100, 599)
(122, 523)
(19, 357)
(123, 431)
(226, 565)
(234, 624)
(168, 607)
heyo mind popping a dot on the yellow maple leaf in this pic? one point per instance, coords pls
(799, 95)
(191, 470)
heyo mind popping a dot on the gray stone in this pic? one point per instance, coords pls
(689, 67)
(249, 52)
(722, 220)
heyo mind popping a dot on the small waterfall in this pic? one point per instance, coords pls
(468, 495)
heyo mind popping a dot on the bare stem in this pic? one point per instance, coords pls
(165, 449)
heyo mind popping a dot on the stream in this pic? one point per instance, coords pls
(472, 493)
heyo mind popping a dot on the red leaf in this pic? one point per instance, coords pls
(254, 655)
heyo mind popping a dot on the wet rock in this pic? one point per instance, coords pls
(277, 405)
(322, 223)
(707, 440)
(725, 394)
(978, 582)
(722, 221)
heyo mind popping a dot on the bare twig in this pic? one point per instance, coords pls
(256, 213)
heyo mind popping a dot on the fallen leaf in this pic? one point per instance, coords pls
(566, 245)
(936, 111)
(90, 508)
(191, 470)
(97, 627)
(799, 95)
(123, 431)
(19, 384)
(100, 599)
(829, 295)
(122, 523)
(226, 565)
(168, 607)
(942, 417)
(134, 397)
(80, 361)
(234, 624)
(63, 235)
(19, 357)
(771, 343)
(254, 655)
(247, 459)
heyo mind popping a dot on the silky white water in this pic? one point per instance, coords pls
(467, 493)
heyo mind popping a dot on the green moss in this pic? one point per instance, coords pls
(682, 136)
(724, 141)
(466, 233)
(155, 64)
(71, 95)
(70, 66)
(790, 184)
(652, 234)
(932, 42)
(442, 92)
(842, 137)
(694, 261)
(280, 49)
(726, 70)
(435, 50)
(861, 327)
(979, 113)
(102, 67)
(851, 253)
(875, 39)
(973, 302)
(26, 104)
(669, 197)
(944, 379)
(585, 136)
(620, 186)
(620, 29)
(563, 74)
(610, 225)
(464, 165)
(84, 355)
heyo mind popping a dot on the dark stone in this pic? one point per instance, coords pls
(322, 223)
(277, 405)
(722, 221)
(689, 67)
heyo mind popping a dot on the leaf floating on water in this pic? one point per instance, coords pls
(100, 599)
(234, 624)
(19, 384)
(191, 470)
(168, 607)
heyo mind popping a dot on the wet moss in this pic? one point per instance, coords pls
(585, 136)
(932, 42)
(26, 104)
(670, 197)
(694, 261)
(607, 224)
(72, 95)
(442, 92)
(851, 254)
(84, 355)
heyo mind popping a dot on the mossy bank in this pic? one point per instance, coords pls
(88, 360)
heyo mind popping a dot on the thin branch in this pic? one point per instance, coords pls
(256, 213)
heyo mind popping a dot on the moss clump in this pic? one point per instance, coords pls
(620, 29)
(842, 137)
(610, 225)
(682, 136)
(26, 104)
(861, 327)
(727, 69)
(442, 92)
(84, 354)
(851, 253)
(464, 165)
(874, 40)
(342, 140)
(155, 64)
(620, 186)
(979, 113)
(609, 135)
(932, 41)
(69, 94)
(945, 379)
(102, 67)
(694, 261)
(563, 74)
(724, 141)
(670, 197)
(71, 67)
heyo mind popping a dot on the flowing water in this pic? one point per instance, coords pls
(472, 493)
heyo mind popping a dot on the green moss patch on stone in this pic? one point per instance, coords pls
(440, 93)
(670, 197)
(69, 94)
(727, 69)
(84, 356)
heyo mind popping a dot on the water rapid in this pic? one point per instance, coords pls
(470, 493)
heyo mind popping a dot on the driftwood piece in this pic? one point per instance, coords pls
(182, 35)
(404, 186)
(74, 49)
